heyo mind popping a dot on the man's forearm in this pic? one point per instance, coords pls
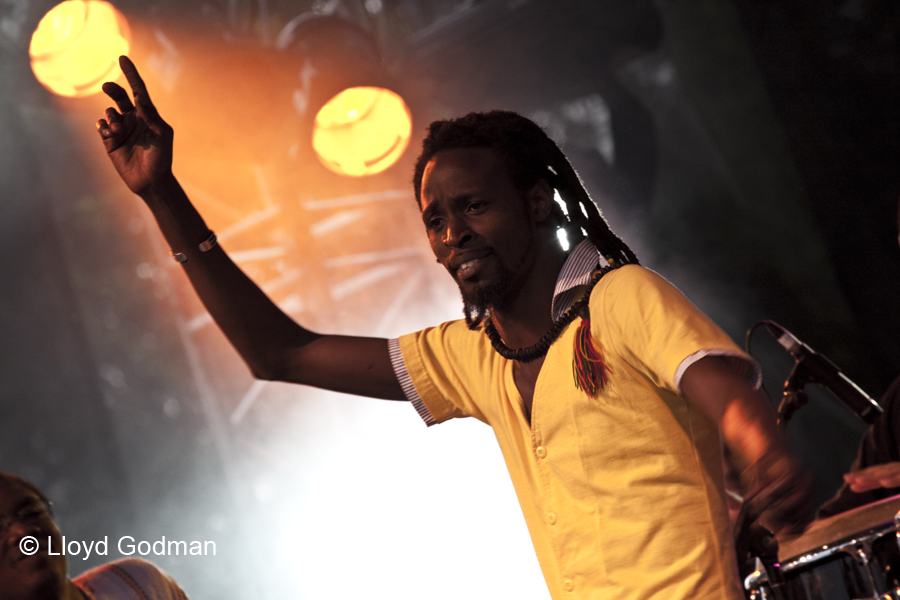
(772, 482)
(255, 326)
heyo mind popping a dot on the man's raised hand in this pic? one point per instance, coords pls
(137, 140)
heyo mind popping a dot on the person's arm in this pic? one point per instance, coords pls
(877, 463)
(886, 475)
(875, 472)
(775, 488)
(139, 144)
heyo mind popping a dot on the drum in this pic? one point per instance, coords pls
(854, 555)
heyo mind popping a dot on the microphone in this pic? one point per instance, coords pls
(824, 372)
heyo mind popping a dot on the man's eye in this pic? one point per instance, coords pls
(32, 512)
(475, 205)
(435, 223)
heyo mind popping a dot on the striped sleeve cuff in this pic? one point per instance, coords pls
(409, 390)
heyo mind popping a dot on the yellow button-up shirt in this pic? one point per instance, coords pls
(622, 493)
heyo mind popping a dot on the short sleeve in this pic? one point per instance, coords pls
(450, 368)
(658, 331)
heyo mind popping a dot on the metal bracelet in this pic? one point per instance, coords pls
(209, 243)
(205, 246)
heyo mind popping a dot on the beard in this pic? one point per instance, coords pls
(493, 294)
(478, 302)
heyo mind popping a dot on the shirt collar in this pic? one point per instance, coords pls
(576, 271)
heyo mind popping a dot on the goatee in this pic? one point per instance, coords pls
(478, 302)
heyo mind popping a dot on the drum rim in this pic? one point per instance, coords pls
(823, 534)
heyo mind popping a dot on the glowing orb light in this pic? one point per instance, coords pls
(362, 131)
(76, 47)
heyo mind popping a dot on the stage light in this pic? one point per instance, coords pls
(76, 46)
(362, 131)
(349, 105)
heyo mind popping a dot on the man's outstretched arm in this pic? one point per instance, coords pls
(775, 488)
(139, 144)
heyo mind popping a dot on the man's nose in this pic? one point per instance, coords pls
(457, 233)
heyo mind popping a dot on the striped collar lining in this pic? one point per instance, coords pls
(575, 272)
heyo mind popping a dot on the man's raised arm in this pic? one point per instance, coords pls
(139, 143)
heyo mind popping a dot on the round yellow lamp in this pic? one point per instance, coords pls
(362, 131)
(76, 47)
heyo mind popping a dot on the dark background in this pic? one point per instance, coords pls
(747, 151)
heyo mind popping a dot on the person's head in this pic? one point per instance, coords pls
(25, 511)
(492, 238)
(522, 160)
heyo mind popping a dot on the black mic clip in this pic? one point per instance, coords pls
(794, 397)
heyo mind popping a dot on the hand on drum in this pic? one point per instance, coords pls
(778, 493)
(886, 475)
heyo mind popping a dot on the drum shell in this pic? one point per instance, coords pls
(850, 556)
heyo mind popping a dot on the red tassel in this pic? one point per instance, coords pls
(588, 368)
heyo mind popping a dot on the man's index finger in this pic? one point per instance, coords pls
(132, 76)
(138, 88)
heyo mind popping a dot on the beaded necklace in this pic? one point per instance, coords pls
(588, 368)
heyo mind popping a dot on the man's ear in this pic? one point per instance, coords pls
(540, 201)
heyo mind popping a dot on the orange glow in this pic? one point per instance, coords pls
(76, 46)
(362, 131)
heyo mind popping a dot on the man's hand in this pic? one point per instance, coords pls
(886, 475)
(138, 141)
(778, 492)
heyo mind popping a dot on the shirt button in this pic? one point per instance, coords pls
(551, 518)
(540, 451)
(568, 585)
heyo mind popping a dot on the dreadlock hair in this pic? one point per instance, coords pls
(529, 155)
